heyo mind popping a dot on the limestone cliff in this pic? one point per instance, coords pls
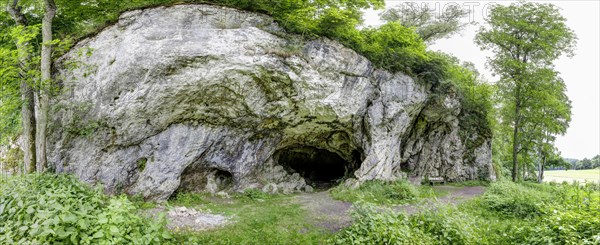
(198, 97)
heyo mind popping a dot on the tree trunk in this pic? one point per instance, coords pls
(28, 121)
(28, 124)
(523, 172)
(43, 99)
(515, 169)
(541, 169)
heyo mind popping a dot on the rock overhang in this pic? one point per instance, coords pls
(183, 89)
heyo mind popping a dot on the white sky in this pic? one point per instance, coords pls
(581, 73)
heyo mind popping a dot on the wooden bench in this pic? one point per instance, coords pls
(433, 180)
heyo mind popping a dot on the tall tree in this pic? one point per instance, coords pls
(526, 39)
(428, 24)
(46, 77)
(27, 91)
(551, 116)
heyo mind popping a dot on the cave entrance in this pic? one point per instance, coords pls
(198, 178)
(320, 168)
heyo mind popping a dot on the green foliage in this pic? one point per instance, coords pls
(429, 24)
(393, 47)
(18, 66)
(141, 164)
(586, 163)
(470, 183)
(374, 225)
(188, 199)
(12, 160)
(277, 219)
(571, 217)
(564, 214)
(446, 226)
(526, 39)
(377, 191)
(254, 194)
(49, 209)
(514, 200)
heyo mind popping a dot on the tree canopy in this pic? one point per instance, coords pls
(427, 23)
(526, 39)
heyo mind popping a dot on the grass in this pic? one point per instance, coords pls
(590, 175)
(383, 192)
(508, 213)
(259, 219)
(470, 183)
(564, 214)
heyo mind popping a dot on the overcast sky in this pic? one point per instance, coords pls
(581, 73)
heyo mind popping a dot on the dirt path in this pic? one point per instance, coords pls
(334, 215)
(327, 212)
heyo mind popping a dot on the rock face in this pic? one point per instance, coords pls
(205, 98)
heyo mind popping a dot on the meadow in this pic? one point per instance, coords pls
(590, 175)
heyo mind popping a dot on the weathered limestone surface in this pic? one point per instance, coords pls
(200, 97)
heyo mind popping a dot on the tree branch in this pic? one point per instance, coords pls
(15, 12)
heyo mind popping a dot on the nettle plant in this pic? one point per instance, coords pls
(57, 209)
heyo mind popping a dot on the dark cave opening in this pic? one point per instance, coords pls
(320, 168)
(223, 179)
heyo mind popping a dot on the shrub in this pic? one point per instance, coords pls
(394, 47)
(574, 226)
(376, 225)
(254, 194)
(379, 226)
(57, 209)
(555, 220)
(513, 199)
(446, 226)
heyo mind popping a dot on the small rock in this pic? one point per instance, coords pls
(308, 188)
(270, 188)
(351, 183)
(222, 194)
(188, 218)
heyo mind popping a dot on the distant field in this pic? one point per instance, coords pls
(572, 175)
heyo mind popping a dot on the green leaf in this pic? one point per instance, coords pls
(102, 220)
(167, 235)
(113, 229)
(83, 223)
(98, 234)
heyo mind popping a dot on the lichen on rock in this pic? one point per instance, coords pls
(209, 105)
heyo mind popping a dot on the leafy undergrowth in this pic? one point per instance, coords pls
(57, 209)
(259, 218)
(382, 192)
(508, 213)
